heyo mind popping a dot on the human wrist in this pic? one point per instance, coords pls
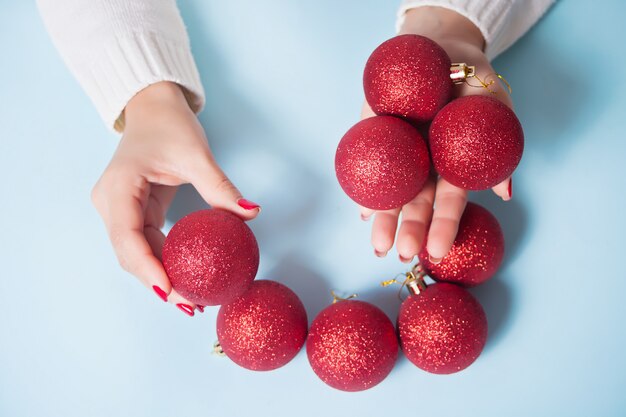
(155, 97)
(442, 25)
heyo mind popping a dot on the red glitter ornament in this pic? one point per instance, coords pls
(408, 76)
(264, 328)
(352, 345)
(382, 162)
(476, 253)
(476, 142)
(442, 329)
(211, 257)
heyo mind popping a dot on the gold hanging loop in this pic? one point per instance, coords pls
(337, 298)
(505, 82)
(460, 73)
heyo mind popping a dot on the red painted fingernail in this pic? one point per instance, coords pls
(187, 309)
(247, 204)
(380, 254)
(511, 188)
(162, 294)
(434, 260)
(200, 308)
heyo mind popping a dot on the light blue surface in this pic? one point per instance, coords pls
(79, 337)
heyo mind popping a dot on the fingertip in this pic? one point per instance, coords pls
(366, 213)
(153, 273)
(247, 215)
(246, 209)
(437, 248)
(381, 244)
(384, 230)
(410, 240)
(436, 252)
(151, 278)
(160, 292)
(248, 205)
(405, 260)
(441, 236)
(187, 309)
(504, 190)
(406, 256)
(160, 285)
(434, 260)
(182, 303)
(243, 208)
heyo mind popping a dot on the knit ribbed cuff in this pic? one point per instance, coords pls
(132, 62)
(488, 16)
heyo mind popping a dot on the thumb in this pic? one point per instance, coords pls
(217, 190)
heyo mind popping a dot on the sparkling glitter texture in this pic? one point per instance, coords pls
(211, 257)
(408, 76)
(352, 345)
(264, 328)
(442, 329)
(382, 162)
(477, 251)
(476, 142)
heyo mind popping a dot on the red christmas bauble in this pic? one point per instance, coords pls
(352, 345)
(476, 253)
(211, 257)
(408, 76)
(476, 142)
(264, 328)
(442, 329)
(382, 162)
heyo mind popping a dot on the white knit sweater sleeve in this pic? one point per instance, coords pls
(115, 48)
(502, 22)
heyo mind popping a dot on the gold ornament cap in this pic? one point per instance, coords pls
(460, 71)
(413, 281)
(217, 349)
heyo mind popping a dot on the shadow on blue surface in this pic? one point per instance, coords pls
(312, 288)
(497, 300)
(495, 295)
(187, 200)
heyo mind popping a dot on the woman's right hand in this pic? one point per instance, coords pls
(163, 146)
(434, 214)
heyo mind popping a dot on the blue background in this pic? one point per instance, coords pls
(79, 337)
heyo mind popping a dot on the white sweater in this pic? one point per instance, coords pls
(115, 48)
(502, 22)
